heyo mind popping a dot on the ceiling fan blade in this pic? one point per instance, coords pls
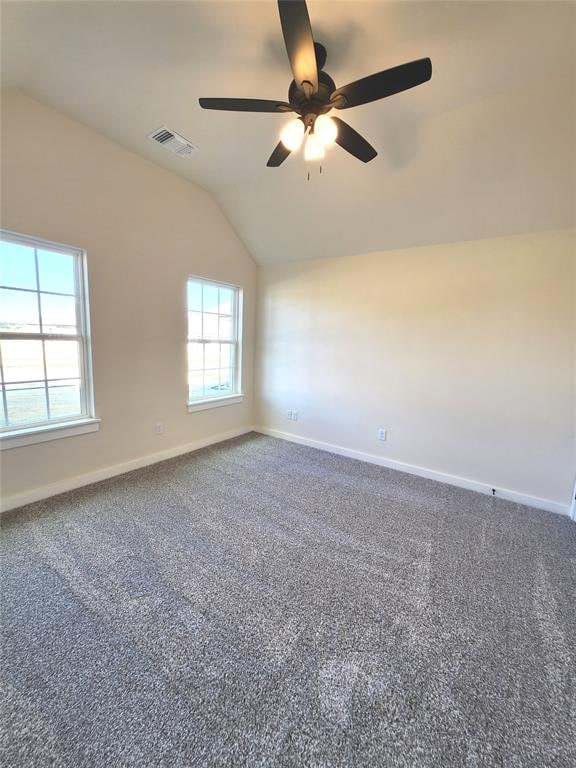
(382, 84)
(246, 105)
(352, 142)
(278, 156)
(299, 43)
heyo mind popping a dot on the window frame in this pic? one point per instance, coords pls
(236, 396)
(12, 436)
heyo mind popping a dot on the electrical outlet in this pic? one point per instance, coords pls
(159, 428)
(382, 434)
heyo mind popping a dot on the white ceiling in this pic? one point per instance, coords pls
(485, 148)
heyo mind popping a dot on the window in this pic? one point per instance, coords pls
(44, 345)
(213, 343)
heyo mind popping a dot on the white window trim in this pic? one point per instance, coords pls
(204, 404)
(214, 402)
(39, 433)
(31, 435)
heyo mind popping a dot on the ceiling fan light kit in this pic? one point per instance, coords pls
(313, 93)
(293, 134)
(313, 149)
(326, 130)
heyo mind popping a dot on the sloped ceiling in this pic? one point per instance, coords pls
(486, 148)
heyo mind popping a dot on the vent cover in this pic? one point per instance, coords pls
(172, 141)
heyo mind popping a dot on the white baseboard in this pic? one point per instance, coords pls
(430, 474)
(70, 483)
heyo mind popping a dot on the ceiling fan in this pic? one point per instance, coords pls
(312, 93)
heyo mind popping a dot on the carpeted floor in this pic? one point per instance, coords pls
(264, 604)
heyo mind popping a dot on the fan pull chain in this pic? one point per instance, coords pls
(308, 174)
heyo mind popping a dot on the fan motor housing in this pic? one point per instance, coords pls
(318, 103)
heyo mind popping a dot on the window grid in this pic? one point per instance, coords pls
(4, 400)
(46, 395)
(222, 378)
(79, 338)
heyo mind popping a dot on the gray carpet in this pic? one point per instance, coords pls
(259, 603)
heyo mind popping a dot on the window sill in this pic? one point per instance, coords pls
(20, 437)
(214, 402)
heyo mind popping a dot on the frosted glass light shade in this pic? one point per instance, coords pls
(292, 134)
(326, 129)
(313, 149)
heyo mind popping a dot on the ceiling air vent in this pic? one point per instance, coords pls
(172, 141)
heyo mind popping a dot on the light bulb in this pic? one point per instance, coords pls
(314, 149)
(326, 129)
(292, 134)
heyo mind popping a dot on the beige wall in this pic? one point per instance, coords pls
(145, 230)
(464, 352)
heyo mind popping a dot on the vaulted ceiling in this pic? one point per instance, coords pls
(485, 148)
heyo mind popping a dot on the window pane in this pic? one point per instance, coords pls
(26, 404)
(64, 399)
(226, 301)
(225, 381)
(196, 385)
(225, 328)
(42, 378)
(211, 318)
(212, 356)
(194, 296)
(211, 383)
(2, 414)
(62, 359)
(17, 266)
(56, 271)
(210, 298)
(226, 355)
(194, 325)
(195, 356)
(210, 326)
(22, 360)
(58, 313)
(19, 311)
